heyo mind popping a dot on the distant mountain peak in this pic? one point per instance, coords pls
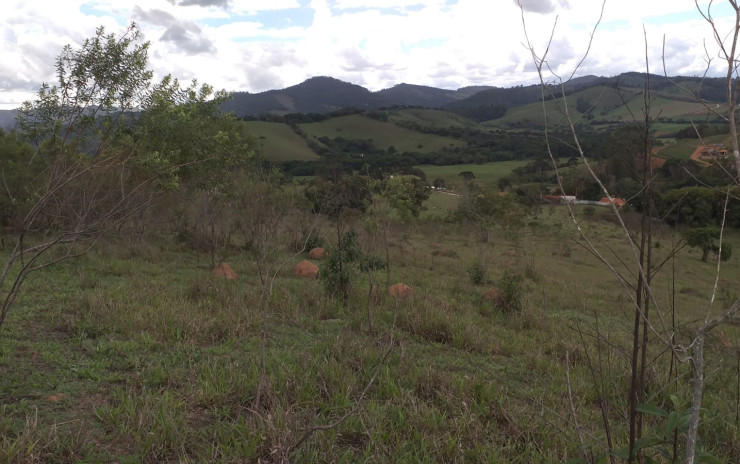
(325, 94)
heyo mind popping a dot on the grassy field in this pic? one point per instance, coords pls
(607, 104)
(278, 141)
(485, 174)
(136, 354)
(382, 134)
(429, 118)
(440, 204)
(683, 148)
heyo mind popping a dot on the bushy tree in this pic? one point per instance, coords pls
(106, 142)
(336, 198)
(407, 194)
(18, 169)
(707, 239)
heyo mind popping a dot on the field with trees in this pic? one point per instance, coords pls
(171, 292)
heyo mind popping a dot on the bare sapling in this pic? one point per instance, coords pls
(649, 326)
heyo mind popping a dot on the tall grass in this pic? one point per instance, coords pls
(124, 356)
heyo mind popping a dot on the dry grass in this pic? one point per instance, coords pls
(158, 362)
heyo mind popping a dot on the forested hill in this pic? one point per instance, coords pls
(326, 95)
(7, 119)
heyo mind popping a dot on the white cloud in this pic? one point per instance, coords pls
(256, 45)
(253, 6)
(381, 4)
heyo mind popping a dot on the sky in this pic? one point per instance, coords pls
(259, 45)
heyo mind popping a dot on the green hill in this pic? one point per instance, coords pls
(485, 174)
(278, 142)
(602, 106)
(382, 134)
(429, 118)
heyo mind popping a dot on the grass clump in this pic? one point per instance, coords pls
(477, 273)
(512, 288)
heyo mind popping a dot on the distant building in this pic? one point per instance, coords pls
(711, 152)
(619, 202)
(559, 199)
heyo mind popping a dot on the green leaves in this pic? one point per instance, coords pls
(196, 143)
(651, 409)
(97, 83)
(671, 422)
(407, 194)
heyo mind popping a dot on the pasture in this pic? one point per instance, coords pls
(134, 353)
(485, 174)
(278, 142)
(382, 134)
(430, 118)
(683, 148)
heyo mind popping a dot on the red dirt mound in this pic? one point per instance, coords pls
(317, 253)
(306, 269)
(225, 271)
(401, 291)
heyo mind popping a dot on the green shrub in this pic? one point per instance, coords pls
(477, 273)
(339, 271)
(512, 288)
(310, 239)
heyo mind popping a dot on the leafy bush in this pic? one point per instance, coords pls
(339, 271)
(477, 273)
(311, 239)
(512, 288)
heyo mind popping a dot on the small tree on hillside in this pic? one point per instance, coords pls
(407, 194)
(650, 326)
(467, 176)
(101, 159)
(707, 239)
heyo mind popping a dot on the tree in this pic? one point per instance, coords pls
(90, 178)
(198, 148)
(467, 176)
(18, 168)
(707, 239)
(648, 329)
(407, 194)
(101, 157)
(489, 207)
(333, 199)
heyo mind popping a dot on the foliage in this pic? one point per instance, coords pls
(504, 210)
(621, 151)
(699, 207)
(338, 273)
(701, 131)
(107, 143)
(406, 194)
(186, 138)
(349, 193)
(89, 177)
(467, 175)
(310, 239)
(513, 288)
(19, 170)
(477, 273)
(707, 239)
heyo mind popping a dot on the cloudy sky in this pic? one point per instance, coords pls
(258, 45)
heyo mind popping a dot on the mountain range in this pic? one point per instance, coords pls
(326, 95)
(480, 103)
